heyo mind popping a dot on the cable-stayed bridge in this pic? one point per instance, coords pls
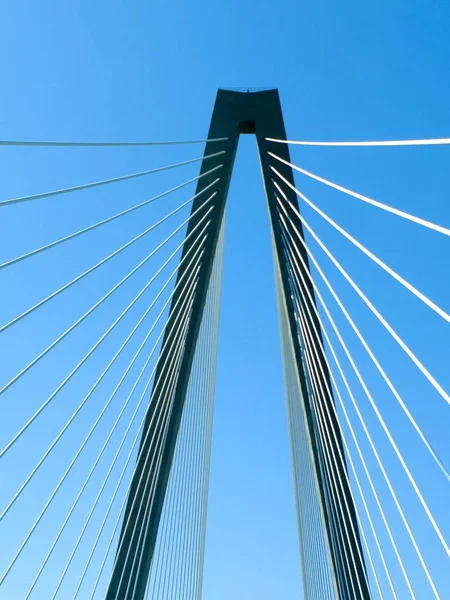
(105, 491)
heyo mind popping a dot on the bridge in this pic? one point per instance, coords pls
(108, 383)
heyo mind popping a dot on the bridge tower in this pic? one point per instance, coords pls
(318, 453)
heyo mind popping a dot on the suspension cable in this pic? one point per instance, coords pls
(312, 368)
(101, 452)
(307, 325)
(333, 487)
(382, 320)
(442, 313)
(298, 272)
(177, 355)
(361, 380)
(218, 285)
(107, 368)
(177, 471)
(155, 345)
(324, 432)
(90, 270)
(172, 508)
(305, 472)
(324, 330)
(326, 442)
(386, 207)
(382, 371)
(109, 144)
(87, 186)
(108, 510)
(140, 541)
(375, 408)
(176, 562)
(71, 236)
(322, 327)
(335, 503)
(45, 508)
(215, 325)
(102, 262)
(164, 400)
(423, 142)
(169, 385)
(86, 356)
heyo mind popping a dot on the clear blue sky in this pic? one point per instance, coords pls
(150, 70)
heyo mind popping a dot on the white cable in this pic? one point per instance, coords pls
(193, 423)
(317, 574)
(175, 531)
(90, 352)
(142, 534)
(319, 341)
(329, 457)
(177, 559)
(97, 265)
(218, 289)
(173, 496)
(381, 370)
(163, 552)
(166, 522)
(369, 396)
(424, 142)
(98, 303)
(382, 320)
(336, 503)
(341, 402)
(178, 349)
(108, 510)
(87, 186)
(41, 514)
(282, 318)
(373, 404)
(105, 371)
(386, 207)
(180, 491)
(100, 453)
(187, 464)
(304, 464)
(442, 313)
(155, 345)
(71, 236)
(109, 144)
(100, 378)
(323, 329)
(323, 429)
(168, 397)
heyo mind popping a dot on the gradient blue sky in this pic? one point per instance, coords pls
(133, 70)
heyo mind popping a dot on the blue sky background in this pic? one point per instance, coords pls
(147, 71)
